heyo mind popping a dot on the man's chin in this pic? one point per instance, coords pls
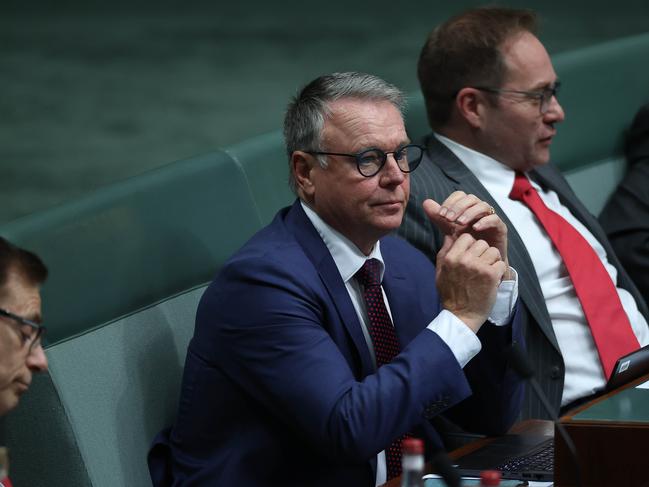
(541, 157)
(390, 223)
(8, 401)
(536, 162)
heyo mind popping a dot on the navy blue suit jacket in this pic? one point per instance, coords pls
(279, 387)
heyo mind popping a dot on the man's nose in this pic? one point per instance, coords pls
(555, 112)
(37, 360)
(391, 172)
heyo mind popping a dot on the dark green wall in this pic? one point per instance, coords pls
(91, 93)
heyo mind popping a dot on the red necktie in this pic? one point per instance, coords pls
(597, 294)
(384, 339)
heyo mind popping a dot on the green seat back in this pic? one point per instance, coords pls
(603, 87)
(133, 243)
(416, 119)
(265, 164)
(90, 421)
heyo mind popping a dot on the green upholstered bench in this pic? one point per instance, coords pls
(118, 327)
(89, 423)
(133, 243)
(115, 358)
(603, 88)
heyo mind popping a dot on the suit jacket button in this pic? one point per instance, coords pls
(555, 372)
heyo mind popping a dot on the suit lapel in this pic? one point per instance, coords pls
(398, 290)
(317, 252)
(529, 289)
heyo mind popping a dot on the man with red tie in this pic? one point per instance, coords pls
(491, 97)
(323, 342)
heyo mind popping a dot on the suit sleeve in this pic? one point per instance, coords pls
(277, 338)
(497, 391)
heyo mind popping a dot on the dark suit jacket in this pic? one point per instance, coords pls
(626, 221)
(279, 386)
(626, 215)
(441, 173)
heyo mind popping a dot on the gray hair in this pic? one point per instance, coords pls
(306, 113)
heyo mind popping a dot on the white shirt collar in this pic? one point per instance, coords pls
(347, 256)
(495, 176)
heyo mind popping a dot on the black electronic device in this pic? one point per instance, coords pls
(629, 367)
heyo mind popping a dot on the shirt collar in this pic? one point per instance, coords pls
(495, 176)
(347, 256)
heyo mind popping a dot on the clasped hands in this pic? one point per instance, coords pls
(473, 259)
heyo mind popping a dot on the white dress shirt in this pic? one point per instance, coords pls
(456, 334)
(584, 374)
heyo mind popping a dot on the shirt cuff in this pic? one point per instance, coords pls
(506, 297)
(457, 335)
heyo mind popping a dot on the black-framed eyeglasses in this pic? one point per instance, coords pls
(543, 97)
(369, 162)
(29, 338)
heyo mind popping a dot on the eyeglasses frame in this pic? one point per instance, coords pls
(544, 96)
(384, 158)
(40, 329)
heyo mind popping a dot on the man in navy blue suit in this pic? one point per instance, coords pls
(284, 382)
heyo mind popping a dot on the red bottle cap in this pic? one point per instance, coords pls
(490, 477)
(412, 446)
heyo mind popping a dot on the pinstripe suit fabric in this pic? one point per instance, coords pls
(441, 173)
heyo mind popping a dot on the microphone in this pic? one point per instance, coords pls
(525, 370)
(441, 463)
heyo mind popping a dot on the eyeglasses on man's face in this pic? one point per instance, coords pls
(369, 162)
(30, 331)
(542, 97)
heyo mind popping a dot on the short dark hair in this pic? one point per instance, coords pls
(465, 51)
(28, 264)
(306, 113)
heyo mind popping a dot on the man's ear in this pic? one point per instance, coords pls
(302, 166)
(470, 105)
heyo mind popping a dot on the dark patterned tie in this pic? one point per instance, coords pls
(384, 339)
(597, 294)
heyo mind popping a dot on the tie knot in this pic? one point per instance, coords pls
(370, 274)
(521, 186)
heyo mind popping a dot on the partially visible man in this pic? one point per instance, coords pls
(491, 98)
(626, 214)
(21, 353)
(323, 341)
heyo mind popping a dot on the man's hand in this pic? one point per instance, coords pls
(465, 213)
(468, 274)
